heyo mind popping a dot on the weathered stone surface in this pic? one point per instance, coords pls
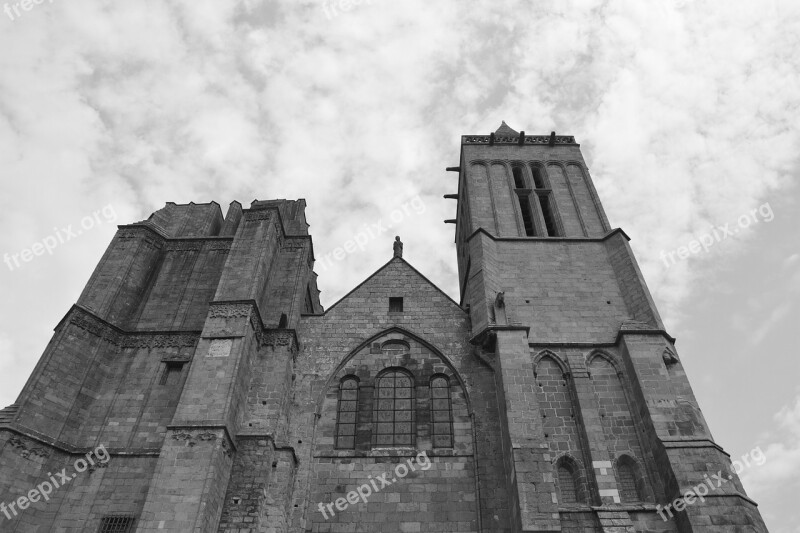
(549, 398)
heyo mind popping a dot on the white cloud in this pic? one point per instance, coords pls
(686, 114)
(775, 484)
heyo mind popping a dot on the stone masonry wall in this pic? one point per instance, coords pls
(431, 319)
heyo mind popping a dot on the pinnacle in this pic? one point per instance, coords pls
(505, 131)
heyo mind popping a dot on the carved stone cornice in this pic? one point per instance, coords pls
(85, 320)
(141, 231)
(505, 139)
(183, 246)
(293, 245)
(159, 340)
(192, 437)
(230, 309)
(257, 214)
(278, 338)
(26, 449)
(94, 326)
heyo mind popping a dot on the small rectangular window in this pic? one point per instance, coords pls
(395, 304)
(172, 373)
(116, 524)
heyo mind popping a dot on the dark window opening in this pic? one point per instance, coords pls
(396, 304)
(527, 216)
(347, 414)
(519, 181)
(394, 413)
(116, 524)
(538, 179)
(549, 219)
(283, 321)
(172, 373)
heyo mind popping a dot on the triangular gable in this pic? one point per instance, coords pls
(381, 269)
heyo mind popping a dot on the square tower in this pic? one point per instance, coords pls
(601, 428)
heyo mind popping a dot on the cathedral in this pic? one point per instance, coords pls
(198, 385)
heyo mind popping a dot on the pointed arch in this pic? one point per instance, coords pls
(570, 480)
(552, 355)
(406, 333)
(610, 359)
(631, 480)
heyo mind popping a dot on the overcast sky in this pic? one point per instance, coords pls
(686, 111)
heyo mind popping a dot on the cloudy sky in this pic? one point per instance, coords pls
(686, 111)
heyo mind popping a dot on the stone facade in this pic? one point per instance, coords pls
(198, 385)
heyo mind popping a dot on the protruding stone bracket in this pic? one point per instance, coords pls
(669, 358)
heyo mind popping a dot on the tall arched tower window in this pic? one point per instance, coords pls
(441, 413)
(523, 198)
(629, 480)
(394, 412)
(544, 195)
(566, 484)
(347, 413)
(570, 487)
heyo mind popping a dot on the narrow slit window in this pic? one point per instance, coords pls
(547, 214)
(116, 524)
(347, 414)
(545, 200)
(519, 181)
(538, 179)
(441, 413)
(527, 216)
(394, 413)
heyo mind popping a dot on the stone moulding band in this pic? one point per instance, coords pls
(21, 433)
(91, 323)
(194, 435)
(272, 337)
(529, 139)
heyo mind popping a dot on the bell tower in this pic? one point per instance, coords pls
(601, 428)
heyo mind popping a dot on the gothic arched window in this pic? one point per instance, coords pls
(441, 414)
(347, 413)
(544, 194)
(628, 479)
(394, 412)
(523, 198)
(569, 488)
(566, 485)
